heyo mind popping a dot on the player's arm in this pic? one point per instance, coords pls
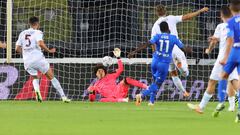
(140, 48)
(194, 14)
(45, 48)
(117, 54)
(229, 43)
(212, 43)
(2, 44)
(213, 40)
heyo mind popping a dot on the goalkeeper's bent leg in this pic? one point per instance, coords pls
(135, 83)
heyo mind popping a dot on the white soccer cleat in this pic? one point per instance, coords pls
(150, 104)
(138, 99)
(196, 108)
(231, 108)
(66, 100)
(125, 100)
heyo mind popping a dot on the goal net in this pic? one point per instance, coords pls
(83, 31)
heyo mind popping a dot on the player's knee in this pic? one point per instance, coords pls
(92, 97)
(174, 73)
(224, 75)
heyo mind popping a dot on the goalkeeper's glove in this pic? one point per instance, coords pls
(117, 52)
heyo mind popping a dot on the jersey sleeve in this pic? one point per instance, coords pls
(230, 30)
(155, 30)
(217, 32)
(119, 70)
(176, 19)
(178, 42)
(18, 42)
(39, 36)
(153, 40)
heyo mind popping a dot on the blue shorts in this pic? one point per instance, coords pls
(230, 66)
(159, 71)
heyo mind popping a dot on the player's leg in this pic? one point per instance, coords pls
(176, 80)
(133, 82)
(35, 82)
(232, 87)
(49, 74)
(147, 92)
(160, 76)
(237, 120)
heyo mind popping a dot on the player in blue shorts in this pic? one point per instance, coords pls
(232, 54)
(162, 57)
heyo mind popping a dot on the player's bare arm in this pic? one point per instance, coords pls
(212, 43)
(194, 14)
(2, 44)
(228, 49)
(45, 48)
(141, 47)
(18, 49)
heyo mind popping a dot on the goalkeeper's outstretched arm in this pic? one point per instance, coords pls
(140, 48)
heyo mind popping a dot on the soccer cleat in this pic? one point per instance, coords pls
(231, 108)
(138, 99)
(196, 108)
(237, 119)
(125, 100)
(186, 94)
(218, 109)
(150, 104)
(66, 100)
(38, 97)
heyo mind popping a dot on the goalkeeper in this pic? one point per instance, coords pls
(106, 85)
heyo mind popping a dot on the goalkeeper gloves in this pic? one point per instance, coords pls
(117, 52)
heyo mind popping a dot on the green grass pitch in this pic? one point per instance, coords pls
(84, 118)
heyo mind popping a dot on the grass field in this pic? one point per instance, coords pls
(83, 118)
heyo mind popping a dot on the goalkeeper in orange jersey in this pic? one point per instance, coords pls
(106, 85)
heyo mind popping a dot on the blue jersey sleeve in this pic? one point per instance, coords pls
(178, 43)
(154, 39)
(230, 28)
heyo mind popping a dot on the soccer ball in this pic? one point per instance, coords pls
(107, 61)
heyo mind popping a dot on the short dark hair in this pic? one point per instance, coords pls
(161, 10)
(99, 66)
(226, 12)
(33, 20)
(164, 27)
(235, 5)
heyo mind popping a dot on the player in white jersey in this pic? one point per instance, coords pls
(220, 35)
(29, 43)
(179, 59)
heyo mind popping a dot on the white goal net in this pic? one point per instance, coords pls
(83, 31)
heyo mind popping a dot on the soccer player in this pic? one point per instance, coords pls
(106, 84)
(179, 59)
(164, 44)
(231, 58)
(220, 36)
(2, 44)
(29, 43)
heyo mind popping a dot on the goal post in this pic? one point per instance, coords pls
(9, 30)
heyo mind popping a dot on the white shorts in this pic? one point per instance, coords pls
(33, 68)
(218, 69)
(179, 56)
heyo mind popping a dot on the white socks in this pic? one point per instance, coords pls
(178, 83)
(231, 101)
(58, 87)
(35, 83)
(205, 99)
